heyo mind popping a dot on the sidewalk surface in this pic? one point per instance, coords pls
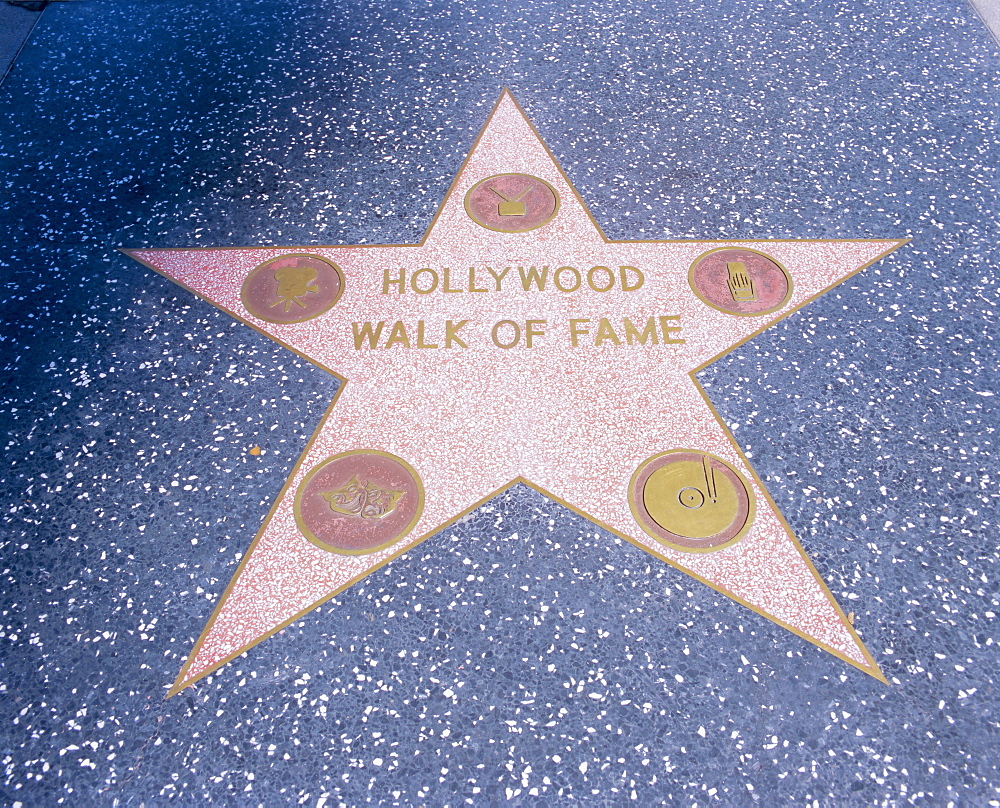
(16, 23)
(524, 654)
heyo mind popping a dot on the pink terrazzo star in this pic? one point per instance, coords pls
(475, 382)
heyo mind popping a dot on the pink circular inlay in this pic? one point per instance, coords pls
(696, 496)
(512, 203)
(358, 502)
(740, 281)
(291, 288)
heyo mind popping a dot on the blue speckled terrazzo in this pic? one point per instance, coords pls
(524, 655)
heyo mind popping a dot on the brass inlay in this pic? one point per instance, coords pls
(379, 501)
(740, 283)
(511, 207)
(292, 294)
(691, 500)
(741, 286)
(293, 284)
(357, 498)
(525, 214)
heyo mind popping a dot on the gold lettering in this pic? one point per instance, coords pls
(639, 281)
(496, 331)
(633, 335)
(532, 276)
(576, 275)
(575, 331)
(367, 332)
(426, 280)
(447, 281)
(472, 281)
(664, 328)
(398, 334)
(529, 330)
(434, 282)
(500, 277)
(594, 286)
(420, 337)
(387, 281)
(605, 333)
(451, 332)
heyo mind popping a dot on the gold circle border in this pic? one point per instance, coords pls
(638, 514)
(776, 262)
(555, 193)
(332, 303)
(304, 529)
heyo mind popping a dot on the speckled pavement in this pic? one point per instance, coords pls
(16, 23)
(525, 654)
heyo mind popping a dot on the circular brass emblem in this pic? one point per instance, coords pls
(358, 502)
(691, 500)
(739, 281)
(512, 203)
(292, 288)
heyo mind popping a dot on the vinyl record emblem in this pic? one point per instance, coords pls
(691, 500)
(512, 203)
(359, 502)
(292, 288)
(740, 281)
